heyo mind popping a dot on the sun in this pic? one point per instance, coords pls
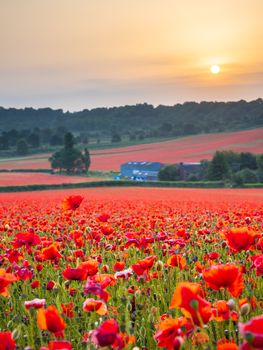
(215, 69)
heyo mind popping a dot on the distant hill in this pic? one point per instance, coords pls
(188, 118)
(185, 149)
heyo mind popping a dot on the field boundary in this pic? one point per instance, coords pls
(46, 171)
(121, 183)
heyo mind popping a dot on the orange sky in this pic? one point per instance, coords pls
(76, 54)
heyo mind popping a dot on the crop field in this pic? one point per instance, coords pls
(193, 148)
(131, 268)
(15, 179)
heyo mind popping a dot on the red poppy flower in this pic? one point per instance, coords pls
(104, 279)
(68, 309)
(106, 333)
(90, 267)
(258, 264)
(224, 276)
(187, 296)
(177, 261)
(35, 284)
(103, 217)
(72, 274)
(51, 252)
(51, 320)
(6, 341)
(143, 265)
(59, 345)
(212, 256)
(98, 306)
(170, 330)
(26, 238)
(119, 266)
(5, 280)
(225, 344)
(50, 285)
(95, 288)
(252, 332)
(240, 238)
(72, 202)
(221, 311)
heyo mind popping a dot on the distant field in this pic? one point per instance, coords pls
(16, 179)
(189, 149)
(115, 197)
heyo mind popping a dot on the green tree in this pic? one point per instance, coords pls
(218, 167)
(260, 166)
(22, 147)
(247, 175)
(115, 137)
(169, 173)
(248, 160)
(69, 158)
(68, 141)
(87, 160)
(34, 140)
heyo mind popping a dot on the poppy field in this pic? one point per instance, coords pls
(131, 268)
(185, 149)
(23, 178)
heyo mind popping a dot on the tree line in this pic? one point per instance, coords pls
(229, 166)
(140, 121)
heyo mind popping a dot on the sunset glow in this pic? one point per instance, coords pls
(82, 54)
(215, 69)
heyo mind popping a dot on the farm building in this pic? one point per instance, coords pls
(141, 171)
(187, 169)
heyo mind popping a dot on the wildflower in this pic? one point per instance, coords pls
(26, 238)
(95, 305)
(258, 264)
(125, 274)
(68, 309)
(222, 312)
(143, 265)
(51, 320)
(72, 202)
(199, 338)
(187, 296)
(224, 276)
(240, 238)
(106, 333)
(225, 344)
(90, 267)
(6, 341)
(169, 330)
(119, 266)
(5, 280)
(35, 303)
(35, 284)
(50, 285)
(74, 274)
(51, 252)
(59, 345)
(252, 332)
(177, 261)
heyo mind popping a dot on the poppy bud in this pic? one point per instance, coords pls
(245, 309)
(159, 265)
(231, 304)
(16, 334)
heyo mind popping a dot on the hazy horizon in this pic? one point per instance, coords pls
(80, 54)
(123, 105)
